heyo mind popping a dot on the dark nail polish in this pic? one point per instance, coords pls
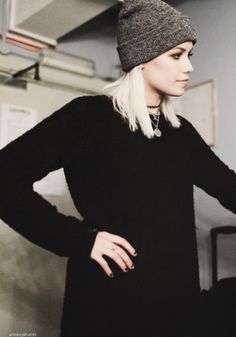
(111, 275)
(135, 253)
(126, 269)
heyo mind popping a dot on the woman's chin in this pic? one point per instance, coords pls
(177, 94)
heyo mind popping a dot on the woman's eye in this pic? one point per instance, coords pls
(176, 56)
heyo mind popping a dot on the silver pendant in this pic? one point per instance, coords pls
(157, 132)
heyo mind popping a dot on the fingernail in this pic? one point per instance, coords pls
(126, 269)
(132, 267)
(135, 253)
(111, 275)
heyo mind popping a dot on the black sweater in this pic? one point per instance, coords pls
(121, 182)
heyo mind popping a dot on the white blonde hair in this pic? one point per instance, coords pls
(128, 98)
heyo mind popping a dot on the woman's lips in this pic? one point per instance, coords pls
(184, 82)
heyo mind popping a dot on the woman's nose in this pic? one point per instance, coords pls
(188, 68)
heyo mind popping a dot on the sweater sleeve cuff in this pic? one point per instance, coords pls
(91, 236)
(83, 241)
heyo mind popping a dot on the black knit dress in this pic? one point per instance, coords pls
(129, 185)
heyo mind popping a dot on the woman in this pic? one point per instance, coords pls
(130, 165)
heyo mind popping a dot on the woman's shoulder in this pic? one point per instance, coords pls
(85, 109)
(184, 121)
(189, 130)
(90, 105)
(91, 101)
(185, 124)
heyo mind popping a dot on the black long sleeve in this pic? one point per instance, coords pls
(44, 148)
(210, 173)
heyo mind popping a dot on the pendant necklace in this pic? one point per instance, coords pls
(155, 122)
(155, 118)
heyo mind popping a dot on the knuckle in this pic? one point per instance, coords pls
(118, 250)
(125, 256)
(99, 260)
(121, 263)
(103, 264)
(113, 254)
(123, 240)
(122, 253)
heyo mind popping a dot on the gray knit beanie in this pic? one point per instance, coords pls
(149, 28)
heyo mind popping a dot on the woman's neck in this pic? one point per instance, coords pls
(153, 99)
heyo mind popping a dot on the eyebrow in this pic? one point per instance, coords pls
(182, 49)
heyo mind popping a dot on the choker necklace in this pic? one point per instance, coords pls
(156, 112)
(153, 106)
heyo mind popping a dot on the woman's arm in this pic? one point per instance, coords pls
(43, 149)
(210, 173)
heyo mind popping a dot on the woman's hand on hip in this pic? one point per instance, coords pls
(113, 246)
